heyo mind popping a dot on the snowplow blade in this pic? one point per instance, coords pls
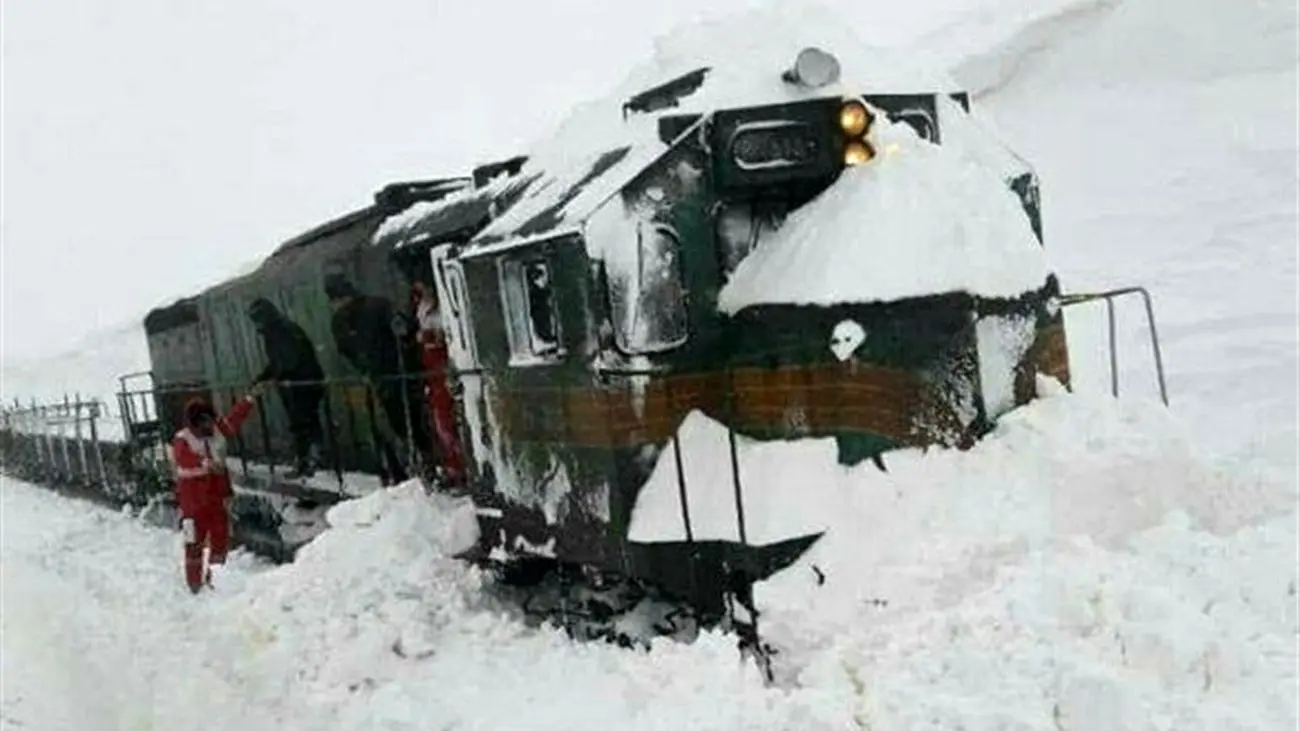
(701, 571)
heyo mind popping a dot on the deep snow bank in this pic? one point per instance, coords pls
(997, 43)
(1083, 568)
(358, 599)
(1083, 564)
(1064, 467)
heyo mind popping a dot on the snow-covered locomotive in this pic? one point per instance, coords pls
(734, 255)
(727, 255)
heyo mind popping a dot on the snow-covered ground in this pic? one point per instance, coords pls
(1082, 568)
(1093, 565)
(1166, 142)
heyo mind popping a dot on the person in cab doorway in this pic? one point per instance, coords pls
(203, 489)
(434, 358)
(365, 335)
(293, 365)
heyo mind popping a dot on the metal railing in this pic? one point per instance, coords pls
(1109, 297)
(358, 432)
(57, 441)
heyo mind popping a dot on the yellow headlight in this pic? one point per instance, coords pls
(854, 118)
(856, 153)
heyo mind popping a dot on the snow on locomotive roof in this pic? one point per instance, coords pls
(921, 219)
(747, 53)
(597, 149)
(460, 210)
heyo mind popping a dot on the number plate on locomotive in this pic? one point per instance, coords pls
(766, 145)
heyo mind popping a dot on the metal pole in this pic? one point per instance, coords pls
(681, 472)
(124, 403)
(1114, 356)
(38, 426)
(735, 461)
(81, 444)
(1073, 299)
(1155, 345)
(331, 432)
(42, 422)
(64, 438)
(266, 443)
(383, 450)
(99, 448)
(402, 381)
(351, 414)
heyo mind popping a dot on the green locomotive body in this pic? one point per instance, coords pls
(600, 293)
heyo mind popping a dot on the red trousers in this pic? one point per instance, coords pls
(442, 410)
(209, 526)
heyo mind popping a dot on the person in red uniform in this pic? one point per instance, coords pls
(434, 357)
(203, 489)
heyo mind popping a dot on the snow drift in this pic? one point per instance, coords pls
(1082, 567)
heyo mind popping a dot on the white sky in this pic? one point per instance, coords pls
(151, 147)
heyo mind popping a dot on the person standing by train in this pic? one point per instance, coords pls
(203, 488)
(293, 365)
(434, 357)
(373, 336)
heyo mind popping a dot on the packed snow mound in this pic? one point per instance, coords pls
(920, 219)
(1083, 562)
(1065, 464)
(784, 485)
(1178, 629)
(375, 625)
(365, 585)
(1082, 568)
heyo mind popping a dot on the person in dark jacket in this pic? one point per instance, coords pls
(377, 340)
(293, 365)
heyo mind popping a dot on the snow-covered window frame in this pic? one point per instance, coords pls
(454, 303)
(528, 304)
(647, 304)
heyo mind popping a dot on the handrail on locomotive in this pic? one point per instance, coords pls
(1109, 297)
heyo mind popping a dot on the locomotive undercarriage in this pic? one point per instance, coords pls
(591, 605)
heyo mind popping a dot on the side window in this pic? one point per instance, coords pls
(530, 309)
(647, 296)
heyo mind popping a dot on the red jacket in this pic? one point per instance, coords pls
(202, 480)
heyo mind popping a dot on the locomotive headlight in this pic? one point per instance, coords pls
(813, 68)
(856, 153)
(854, 118)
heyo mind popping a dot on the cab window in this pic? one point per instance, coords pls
(647, 295)
(530, 313)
